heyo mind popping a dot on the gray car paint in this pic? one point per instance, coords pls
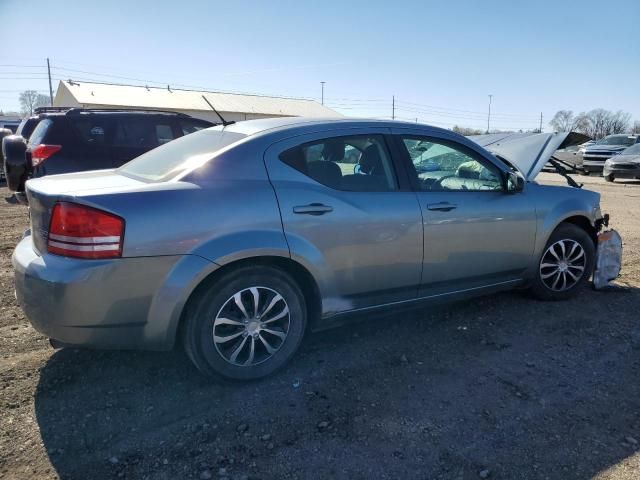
(623, 166)
(366, 253)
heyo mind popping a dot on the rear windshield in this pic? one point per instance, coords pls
(618, 140)
(176, 157)
(40, 131)
(27, 126)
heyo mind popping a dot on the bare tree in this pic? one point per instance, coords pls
(466, 130)
(619, 122)
(563, 121)
(596, 123)
(636, 127)
(30, 100)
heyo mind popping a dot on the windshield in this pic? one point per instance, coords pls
(634, 150)
(617, 140)
(178, 156)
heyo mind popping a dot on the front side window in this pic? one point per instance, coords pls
(142, 132)
(443, 166)
(358, 163)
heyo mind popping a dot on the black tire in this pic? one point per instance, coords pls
(585, 172)
(204, 308)
(570, 233)
(609, 178)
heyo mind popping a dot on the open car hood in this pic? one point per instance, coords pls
(529, 152)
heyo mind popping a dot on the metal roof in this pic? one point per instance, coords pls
(88, 93)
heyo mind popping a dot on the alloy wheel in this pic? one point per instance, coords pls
(563, 265)
(251, 326)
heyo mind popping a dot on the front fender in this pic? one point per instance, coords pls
(555, 205)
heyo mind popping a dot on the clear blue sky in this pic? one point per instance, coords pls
(440, 59)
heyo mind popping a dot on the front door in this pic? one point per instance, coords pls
(475, 234)
(137, 134)
(348, 217)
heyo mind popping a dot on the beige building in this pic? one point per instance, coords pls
(231, 106)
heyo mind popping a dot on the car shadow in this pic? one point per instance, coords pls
(521, 388)
(627, 182)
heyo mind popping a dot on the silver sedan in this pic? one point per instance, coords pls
(237, 240)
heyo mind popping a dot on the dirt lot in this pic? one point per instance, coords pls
(504, 387)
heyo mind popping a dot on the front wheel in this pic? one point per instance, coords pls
(565, 264)
(245, 325)
(609, 178)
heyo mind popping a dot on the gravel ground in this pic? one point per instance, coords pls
(502, 387)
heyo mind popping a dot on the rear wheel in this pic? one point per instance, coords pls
(565, 264)
(246, 324)
(609, 178)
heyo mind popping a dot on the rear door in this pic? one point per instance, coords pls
(137, 134)
(475, 234)
(92, 133)
(359, 233)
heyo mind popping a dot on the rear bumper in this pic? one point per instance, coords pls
(125, 303)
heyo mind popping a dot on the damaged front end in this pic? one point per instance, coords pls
(608, 253)
(608, 259)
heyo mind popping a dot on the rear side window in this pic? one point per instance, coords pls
(139, 131)
(181, 155)
(191, 125)
(27, 126)
(357, 163)
(164, 133)
(93, 129)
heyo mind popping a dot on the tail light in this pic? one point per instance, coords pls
(84, 232)
(41, 152)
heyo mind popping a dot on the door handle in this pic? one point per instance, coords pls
(442, 206)
(312, 209)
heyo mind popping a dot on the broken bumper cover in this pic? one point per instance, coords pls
(608, 258)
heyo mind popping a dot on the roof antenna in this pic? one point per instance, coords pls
(224, 122)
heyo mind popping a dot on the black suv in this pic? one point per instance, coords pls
(75, 139)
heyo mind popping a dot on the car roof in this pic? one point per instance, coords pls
(280, 124)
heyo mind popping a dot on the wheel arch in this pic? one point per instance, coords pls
(298, 272)
(584, 223)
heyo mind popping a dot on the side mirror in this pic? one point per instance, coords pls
(515, 182)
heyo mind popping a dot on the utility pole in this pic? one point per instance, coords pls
(540, 122)
(50, 87)
(322, 98)
(393, 107)
(489, 115)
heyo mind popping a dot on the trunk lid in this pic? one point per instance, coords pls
(529, 152)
